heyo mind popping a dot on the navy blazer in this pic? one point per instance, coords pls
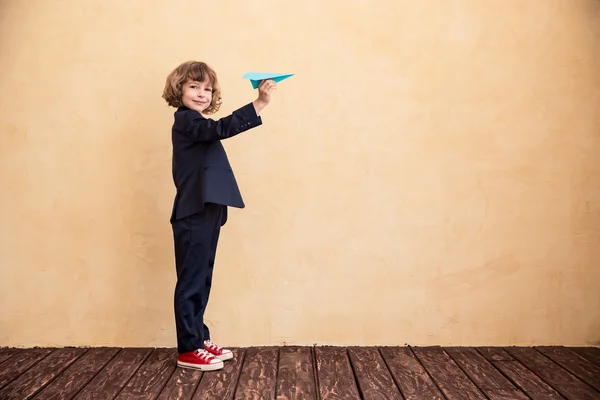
(201, 169)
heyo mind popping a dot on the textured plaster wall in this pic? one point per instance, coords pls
(431, 175)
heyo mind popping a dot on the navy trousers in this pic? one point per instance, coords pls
(196, 240)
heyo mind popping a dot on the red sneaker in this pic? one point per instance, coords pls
(199, 359)
(217, 351)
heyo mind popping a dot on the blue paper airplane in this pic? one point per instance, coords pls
(256, 77)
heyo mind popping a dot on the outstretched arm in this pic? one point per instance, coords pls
(201, 128)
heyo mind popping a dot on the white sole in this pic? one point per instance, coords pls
(225, 357)
(209, 367)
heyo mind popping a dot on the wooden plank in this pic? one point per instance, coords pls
(495, 354)
(38, 376)
(19, 363)
(295, 376)
(111, 379)
(410, 376)
(590, 353)
(487, 378)
(527, 381)
(520, 376)
(221, 384)
(373, 377)
(151, 377)
(574, 363)
(74, 378)
(181, 385)
(561, 380)
(7, 352)
(334, 374)
(453, 383)
(259, 373)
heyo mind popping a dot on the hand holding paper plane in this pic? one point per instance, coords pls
(256, 77)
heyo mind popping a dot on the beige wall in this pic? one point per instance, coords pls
(429, 176)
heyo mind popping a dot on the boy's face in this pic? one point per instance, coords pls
(197, 95)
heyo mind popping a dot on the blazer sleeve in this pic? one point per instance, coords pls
(202, 129)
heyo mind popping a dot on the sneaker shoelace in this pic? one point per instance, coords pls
(204, 355)
(212, 346)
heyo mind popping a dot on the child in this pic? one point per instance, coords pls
(206, 186)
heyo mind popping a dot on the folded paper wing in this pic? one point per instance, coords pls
(256, 77)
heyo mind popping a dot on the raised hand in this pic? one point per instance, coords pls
(265, 90)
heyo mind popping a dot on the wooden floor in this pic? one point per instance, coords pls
(305, 373)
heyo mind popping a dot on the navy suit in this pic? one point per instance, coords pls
(206, 186)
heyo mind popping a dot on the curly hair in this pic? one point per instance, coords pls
(191, 71)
